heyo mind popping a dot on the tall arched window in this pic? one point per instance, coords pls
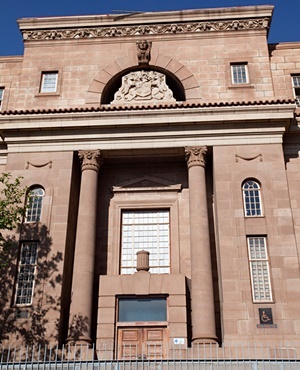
(34, 204)
(252, 198)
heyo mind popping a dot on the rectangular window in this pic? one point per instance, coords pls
(142, 309)
(239, 73)
(259, 269)
(145, 230)
(26, 273)
(1, 95)
(49, 82)
(296, 87)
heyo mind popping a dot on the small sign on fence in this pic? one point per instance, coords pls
(178, 340)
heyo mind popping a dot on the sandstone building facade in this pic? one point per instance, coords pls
(162, 150)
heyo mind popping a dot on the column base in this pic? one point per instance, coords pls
(80, 341)
(80, 348)
(204, 341)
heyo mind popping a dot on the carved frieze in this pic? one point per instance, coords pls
(151, 29)
(140, 86)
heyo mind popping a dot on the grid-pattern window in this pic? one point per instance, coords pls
(259, 269)
(49, 82)
(252, 198)
(145, 230)
(1, 95)
(239, 73)
(296, 86)
(26, 273)
(34, 204)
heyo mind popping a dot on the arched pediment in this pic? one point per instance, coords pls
(109, 79)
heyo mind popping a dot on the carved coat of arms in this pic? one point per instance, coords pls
(142, 86)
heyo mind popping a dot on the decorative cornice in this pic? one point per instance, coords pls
(90, 159)
(150, 29)
(195, 156)
(147, 106)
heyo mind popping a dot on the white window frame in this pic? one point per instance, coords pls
(241, 75)
(259, 269)
(1, 96)
(26, 269)
(252, 199)
(34, 204)
(296, 88)
(140, 234)
(49, 82)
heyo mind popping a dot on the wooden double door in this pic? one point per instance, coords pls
(142, 343)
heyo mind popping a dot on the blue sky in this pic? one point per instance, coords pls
(285, 23)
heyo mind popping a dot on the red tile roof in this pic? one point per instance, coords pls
(177, 105)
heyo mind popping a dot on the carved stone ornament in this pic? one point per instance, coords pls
(151, 29)
(195, 156)
(146, 183)
(143, 86)
(40, 165)
(237, 157)
(90, 159)
(143, 51)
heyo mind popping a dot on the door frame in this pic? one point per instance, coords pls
(143, 328)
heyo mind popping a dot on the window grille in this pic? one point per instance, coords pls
(259, 269)
(296, 87)
(26, 273)
(34, 204)
(239, 73)
(49, 82)
(252, 198)
(145, 230)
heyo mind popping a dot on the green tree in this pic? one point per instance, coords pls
(12, 208)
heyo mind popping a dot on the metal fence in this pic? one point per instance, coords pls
(212, 357)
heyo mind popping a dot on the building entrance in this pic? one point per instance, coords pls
(137, 343)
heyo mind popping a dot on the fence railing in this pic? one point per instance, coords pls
(210, 357)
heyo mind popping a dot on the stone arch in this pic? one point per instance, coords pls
(162, 63)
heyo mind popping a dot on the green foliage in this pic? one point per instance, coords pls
(12, 208)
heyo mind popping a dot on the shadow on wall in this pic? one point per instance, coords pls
(28, 325)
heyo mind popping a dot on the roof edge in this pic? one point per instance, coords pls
(190, 15)
(178, 105)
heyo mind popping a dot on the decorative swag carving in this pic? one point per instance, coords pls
(151, 29)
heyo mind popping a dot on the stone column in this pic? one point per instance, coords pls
(202, 297)
(83, 273)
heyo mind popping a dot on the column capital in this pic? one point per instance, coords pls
(195, 155)
(90, 159)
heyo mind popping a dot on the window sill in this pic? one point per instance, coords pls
(264, 302)
(256, 216)
(22, 305)
(141, 323)
(47, 94)
(240, 86)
